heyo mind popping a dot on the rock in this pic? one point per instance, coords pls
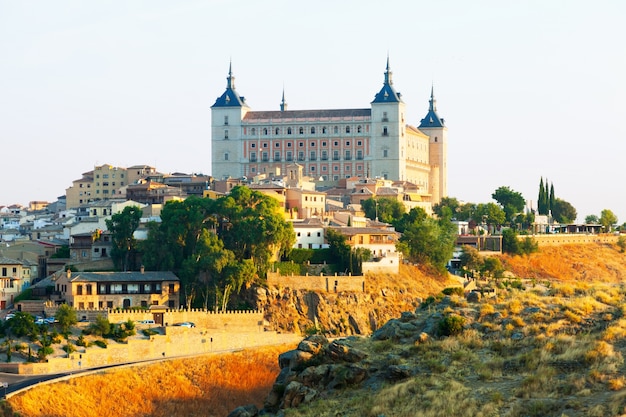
(517, 336)
(339, 352)
(293, 358)
(398, 372)
(314, 376)
(531, 310)
(474, 297)
(245, 411)
(407, 316)
(296, 394)
(422, 338)
(344, 376)
(311, 346)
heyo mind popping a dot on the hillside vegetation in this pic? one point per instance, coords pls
(554, 347)
(203, 386)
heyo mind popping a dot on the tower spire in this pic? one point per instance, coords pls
(231, 78)
(283, 103)
(433, 102)
(388, 80)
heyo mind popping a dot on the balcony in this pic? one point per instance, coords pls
(277, 159)
(359, 157)
(265, 159)
(301, 158)
(324, 158)
(348, 158)
(289, 159)
(313, 158)
(253, 159)
(336, 158)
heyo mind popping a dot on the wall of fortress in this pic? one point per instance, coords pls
(328, 283)
(175, 342)
(571, 239)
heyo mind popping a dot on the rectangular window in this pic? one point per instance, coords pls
(79, 290)
(385, 153)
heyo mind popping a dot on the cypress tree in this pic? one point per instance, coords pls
(552, 199)
(541, 200)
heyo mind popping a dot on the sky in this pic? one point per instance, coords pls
(529, 89)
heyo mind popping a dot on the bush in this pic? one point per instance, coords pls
(454, 291)
(451, 325)
(82, 341)
(101, 343)
(149, 332)
(69, 348)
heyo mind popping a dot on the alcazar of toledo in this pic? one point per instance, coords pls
(333, 144)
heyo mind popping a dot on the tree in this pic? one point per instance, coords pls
(491, 214)
(542, 199)
(427, 240)
(492, 267)
(512, 202)
(101, 326)
(387, 210)
(607, 219)
(563, 212)
(67, 317)
(22, 324)
(122, 227)
(471, 259)
(592, 219)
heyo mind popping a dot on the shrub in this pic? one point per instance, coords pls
(149, 332)
(453, 291)
(101, 343)
(451, 325)
(69, 348)
(82, 341)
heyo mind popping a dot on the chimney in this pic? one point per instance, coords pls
(69, 273)
(142, 269)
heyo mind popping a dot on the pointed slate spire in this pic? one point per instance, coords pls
(387, 94)
(283, 103)
(230, 98)
(432, 119)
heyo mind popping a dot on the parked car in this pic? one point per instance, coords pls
(9, 316)
(146, 322)
(187, 324)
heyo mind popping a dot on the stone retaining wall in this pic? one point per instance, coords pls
(328, 283)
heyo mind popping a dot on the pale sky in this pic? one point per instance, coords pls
(528, 89)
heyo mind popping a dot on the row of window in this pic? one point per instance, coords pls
(150, 288)
(109, 304)
(5, 270)
(313, 169)
(105, 176)
(301, 130)
(302, 157)
(301, 144)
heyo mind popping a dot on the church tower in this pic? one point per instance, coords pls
(435, 128)
(388, 140)
(226, 132)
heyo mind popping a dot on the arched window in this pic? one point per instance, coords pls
(313, 130)
(347, 129)
(276, 132)
(324, 130)
(226, 156)
(265, 131)
(301, 130)
(289, 131)
(253, 131)
(359, 129)
(336, 129)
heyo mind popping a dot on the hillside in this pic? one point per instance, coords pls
(555, 347)
(587, 263)
(348, 313)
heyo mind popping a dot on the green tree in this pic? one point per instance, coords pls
(592, 219)
(427, 240)
(607, 219)
(492, 267)
(22, 324)
(67, 317)
(563, 212)
(491, 214)
(122, 227)
(512, 202)
(510, 242)
(542, 199)
(253, 227)
(62, 253)
(387, 210)
(470, 259)
(101, 326)
(551, 198)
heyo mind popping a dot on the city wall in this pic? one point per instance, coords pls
(571, 239)
(175, 342)
(328, 283)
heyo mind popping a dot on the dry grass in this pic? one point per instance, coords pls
(201, 386)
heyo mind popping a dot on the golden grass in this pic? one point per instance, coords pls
(200, 386)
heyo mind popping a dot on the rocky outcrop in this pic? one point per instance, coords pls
(339, 314)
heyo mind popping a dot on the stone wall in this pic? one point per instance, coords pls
(571, 239)
(175, 342)
(327, 283)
